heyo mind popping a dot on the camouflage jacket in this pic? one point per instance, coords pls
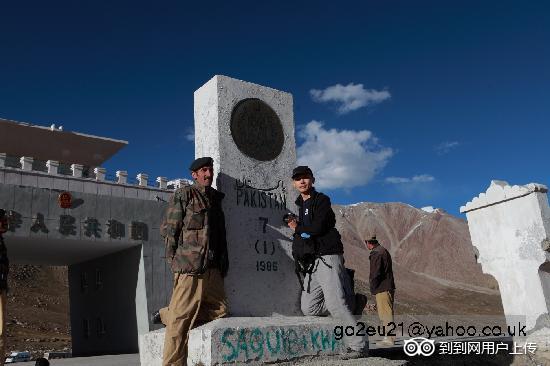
(194, 230)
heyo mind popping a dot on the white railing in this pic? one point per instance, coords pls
(77, 171)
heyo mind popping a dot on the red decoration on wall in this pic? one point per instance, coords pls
(65, 200)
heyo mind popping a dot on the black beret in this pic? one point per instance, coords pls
(200, 162)
(300, 170)
(372, 240)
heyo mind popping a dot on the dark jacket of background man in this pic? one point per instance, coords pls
(381, 273)
(323, 222)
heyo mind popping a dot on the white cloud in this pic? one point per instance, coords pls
(190, 136)
(349, 97)
(187, 135)
(397, 180)
(341, 158)
(422, 178)
(445, 147)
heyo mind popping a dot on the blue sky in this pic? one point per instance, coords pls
(419, 102)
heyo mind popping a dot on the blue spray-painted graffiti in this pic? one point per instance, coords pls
(257, 344)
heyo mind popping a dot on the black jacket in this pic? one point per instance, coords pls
(217, 238)
(381, 272)
(322, 229)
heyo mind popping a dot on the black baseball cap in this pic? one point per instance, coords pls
(301, 170)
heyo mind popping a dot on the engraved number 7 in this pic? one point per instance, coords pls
(264, 219)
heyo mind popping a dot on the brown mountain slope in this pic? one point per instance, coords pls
(436, 244)
(38, 309)
(434, 263)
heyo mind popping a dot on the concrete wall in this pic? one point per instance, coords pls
(42, 232)
(157, 277)
(508, 225)
(544, 274)
(132, 266)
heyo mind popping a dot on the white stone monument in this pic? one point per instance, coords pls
(510, 227)
(248, 130)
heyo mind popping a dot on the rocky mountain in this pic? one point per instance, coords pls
(432, 254)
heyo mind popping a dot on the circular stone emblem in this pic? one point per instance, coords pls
(257, 130)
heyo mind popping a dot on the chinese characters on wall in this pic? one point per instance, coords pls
(66, 225)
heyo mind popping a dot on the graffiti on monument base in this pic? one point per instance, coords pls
(276, 343)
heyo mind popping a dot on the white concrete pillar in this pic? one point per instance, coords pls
(53, 166)
(26, 163)
(142, 179)
(162, 182)
(177, 183)
(510, 225)
(77, 170)
(100, 173)
(3, 160)
(248, 130)
(122, 176)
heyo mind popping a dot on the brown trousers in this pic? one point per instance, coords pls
(2, 327)
(384, 304)
(196, 300)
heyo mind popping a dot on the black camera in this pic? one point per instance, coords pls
(289, 217)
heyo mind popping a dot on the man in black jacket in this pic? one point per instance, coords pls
(318, 251)
(382, 285)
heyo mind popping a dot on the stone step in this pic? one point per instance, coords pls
(251, 340)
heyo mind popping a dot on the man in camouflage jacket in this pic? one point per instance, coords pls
(196, 250)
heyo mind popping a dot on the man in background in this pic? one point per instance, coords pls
(382, 285)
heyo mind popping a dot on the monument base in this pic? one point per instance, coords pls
(254, 340)
(541, 338)
(536, 346)
(151, 346)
